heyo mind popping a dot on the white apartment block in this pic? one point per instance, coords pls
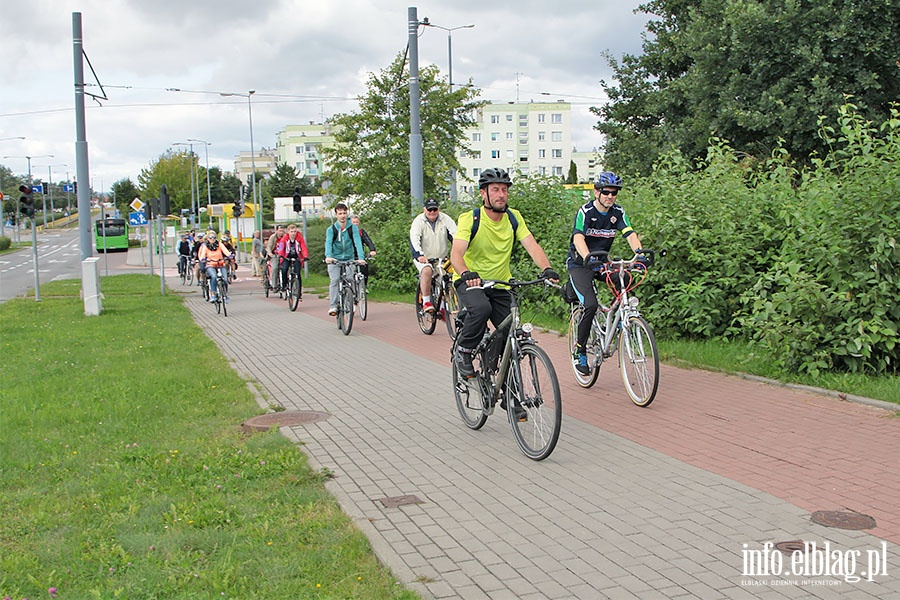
(528, 137)
(301, 147)
(587, 164)
(264, 161)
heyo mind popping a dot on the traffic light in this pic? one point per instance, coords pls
(298, 201)
(238, 209)
(27, 200)
(165, 203)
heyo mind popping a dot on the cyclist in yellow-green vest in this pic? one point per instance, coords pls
(487, 255)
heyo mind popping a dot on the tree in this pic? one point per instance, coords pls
(573, 173)
(371, 154)
(751, 72)
(284, 179)
(124, 191)
(174, 170)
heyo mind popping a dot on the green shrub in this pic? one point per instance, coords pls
(5, 242)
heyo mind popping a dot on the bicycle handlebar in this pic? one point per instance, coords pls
(512, 283)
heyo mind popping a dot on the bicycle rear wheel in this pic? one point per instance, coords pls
(267, 278)
(345, 313)
(426, 319)
(639, 361)
(450, 309)
(531, 383)
(294, 293)
(584, 381)
(362, 301)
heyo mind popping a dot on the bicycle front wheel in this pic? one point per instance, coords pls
(639, 361)
(346, 310)
(581, 379)
(189, 276)
(362, 301)
(531, 384)
(223, 296)
(426, 319)
(294, 291)
(450, 309)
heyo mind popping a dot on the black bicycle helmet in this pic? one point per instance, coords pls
(492, 175)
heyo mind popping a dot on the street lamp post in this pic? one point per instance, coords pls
(449, 30)
(257, 206)
(208, 192)
(191, 146)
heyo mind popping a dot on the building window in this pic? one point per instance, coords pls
(476, 154)
(509, 154)
(556, 136)
(509, 118)
(495, 154)
(557, 171)
(298, 150)
(476, 172)
(557, 153)
(495, 136)
(523, 155)
(556, 117)
(541, 117)
(542, 153)
(495, 118)
(476, 137)
(509, 135)
(541, 136)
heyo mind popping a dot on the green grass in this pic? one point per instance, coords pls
(125, 472)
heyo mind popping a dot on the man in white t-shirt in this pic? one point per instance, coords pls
(430, 236)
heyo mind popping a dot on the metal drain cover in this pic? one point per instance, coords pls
(395, 501)
(843, 520)
(791, 546)
(285, 418)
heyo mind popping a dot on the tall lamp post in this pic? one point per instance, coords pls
(449, 30)
(50, 183)
(208, 192)
(258, 206)
(191, 146)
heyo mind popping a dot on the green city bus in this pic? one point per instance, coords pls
(111, 234)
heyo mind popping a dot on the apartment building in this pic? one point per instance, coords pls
(528, 137)
(587, 165)
(263, 159)
(301, 147)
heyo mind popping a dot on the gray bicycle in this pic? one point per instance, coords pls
(523, 381)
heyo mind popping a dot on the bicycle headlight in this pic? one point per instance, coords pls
(527, 328)
(633, 302)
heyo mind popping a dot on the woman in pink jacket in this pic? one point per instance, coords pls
(292, 246)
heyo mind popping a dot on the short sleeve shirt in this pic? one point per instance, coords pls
(489, 253)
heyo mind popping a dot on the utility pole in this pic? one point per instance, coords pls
(416, 183)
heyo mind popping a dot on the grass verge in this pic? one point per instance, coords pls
(125, 472)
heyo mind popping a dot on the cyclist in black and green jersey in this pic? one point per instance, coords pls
(596, 225)
(487, 255)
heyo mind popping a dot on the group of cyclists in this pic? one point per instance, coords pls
(210, 255)
(435, 235)
(486, 256)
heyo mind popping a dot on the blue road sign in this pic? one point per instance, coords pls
(137, 218)
(37, 188)
(69, 188)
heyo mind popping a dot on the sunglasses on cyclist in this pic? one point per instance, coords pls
(609, 192)
(431, 209)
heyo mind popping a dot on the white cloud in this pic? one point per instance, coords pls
(322, 51)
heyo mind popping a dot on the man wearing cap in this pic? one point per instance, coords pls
(429, 237)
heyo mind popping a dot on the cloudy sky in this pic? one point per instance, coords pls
(306, 59)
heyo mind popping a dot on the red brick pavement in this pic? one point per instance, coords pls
(814, 451)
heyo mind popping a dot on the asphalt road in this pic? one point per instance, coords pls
(59, 257)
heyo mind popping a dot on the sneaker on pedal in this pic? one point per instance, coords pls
(226, 299)
(212, 297)
(428, 307)
(464, 362)
(581, 364)
(332, 311)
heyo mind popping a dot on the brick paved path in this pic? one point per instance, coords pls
(634, 503)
